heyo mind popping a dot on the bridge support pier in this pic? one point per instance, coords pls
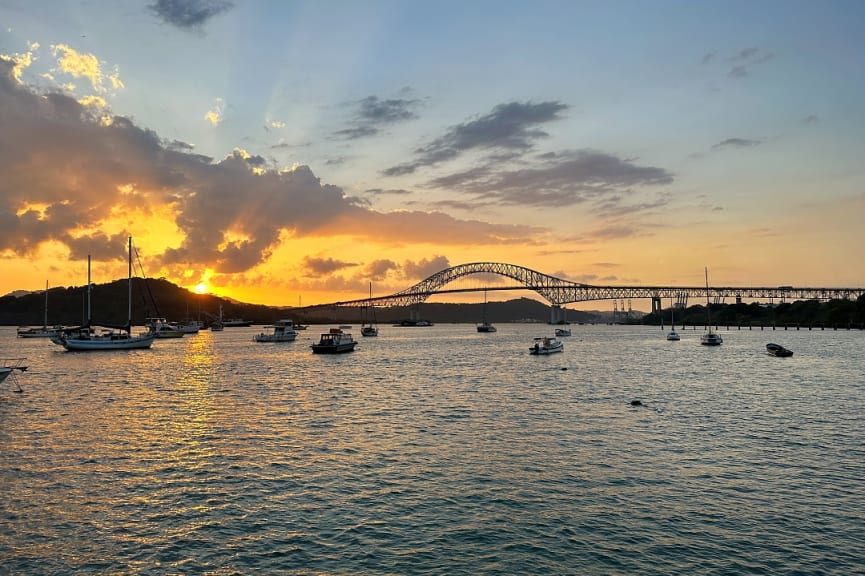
(557, 315)
(656, 305)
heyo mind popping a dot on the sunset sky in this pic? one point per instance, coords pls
(286, 150)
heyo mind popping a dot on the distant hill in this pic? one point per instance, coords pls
(159, 297)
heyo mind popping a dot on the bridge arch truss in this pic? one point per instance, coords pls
(559, 292)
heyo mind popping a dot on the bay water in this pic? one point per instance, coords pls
(437, 450)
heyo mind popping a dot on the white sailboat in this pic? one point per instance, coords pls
(709, 338)
(485, 326)
(672, 335)
(85, 338)
(217, 325)
(369, 329)
(44, 331)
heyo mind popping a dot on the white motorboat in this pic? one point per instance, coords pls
(85, 338)
(162, 328)
(546, 345)
(334, 342)
(189, 326)
(281, 331)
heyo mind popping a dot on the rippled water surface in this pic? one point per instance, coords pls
(437, 451)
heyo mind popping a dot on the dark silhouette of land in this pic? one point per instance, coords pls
(161, 298)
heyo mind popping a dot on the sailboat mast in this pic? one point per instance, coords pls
(45, 321)
(129, 316)
(89, 317)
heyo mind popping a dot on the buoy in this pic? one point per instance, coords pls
(636, 403)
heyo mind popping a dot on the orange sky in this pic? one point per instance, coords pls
(278, 177)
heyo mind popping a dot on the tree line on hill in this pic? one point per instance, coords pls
(67, 306)
(813, 313)
(160, 298)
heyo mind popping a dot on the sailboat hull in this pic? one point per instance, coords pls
(115, 341)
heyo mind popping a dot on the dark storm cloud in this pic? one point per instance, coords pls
(189, 14)
(736, 143)
(561, 179)
(373, 113)
(64, 169)
(511, 127)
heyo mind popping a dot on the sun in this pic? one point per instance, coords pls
(200, 288)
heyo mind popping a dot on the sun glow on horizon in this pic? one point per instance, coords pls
(200, 288)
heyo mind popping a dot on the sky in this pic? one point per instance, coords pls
(298, 152)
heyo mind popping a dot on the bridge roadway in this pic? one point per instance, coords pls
(559, 292)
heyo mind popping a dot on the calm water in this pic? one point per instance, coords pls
(437, 451)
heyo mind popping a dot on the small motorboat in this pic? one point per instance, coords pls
(563, 331)
(369, 330)
(673, 336)
(162, 328)
(546, 345)
(334, 342)
(711, 339)
(281, 331)
(778, 350)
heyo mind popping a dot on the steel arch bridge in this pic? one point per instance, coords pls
(559, 292)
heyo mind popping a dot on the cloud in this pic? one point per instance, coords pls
(555, 180)
(373, 113)
(68, 169)
(425, 267)
(79, 65)
(324, 266)
(214, 116)
(189, 14)
(388, 192)
(511, 127)
(745, 60)
(736, 143)
(378, 269)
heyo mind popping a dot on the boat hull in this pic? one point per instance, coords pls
(275, 338)
(333, 348)
(545, 346)
(114, 343)
(546, 351)
(778, 350)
